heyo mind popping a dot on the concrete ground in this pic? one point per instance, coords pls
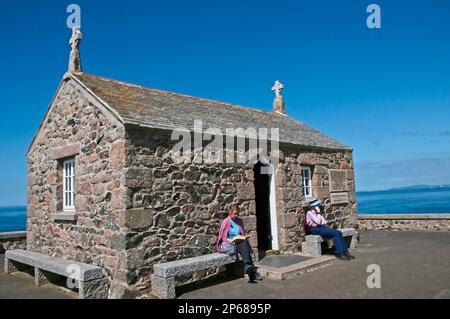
(412, 264)
(20, 285)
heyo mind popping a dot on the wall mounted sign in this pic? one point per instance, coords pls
(338, 180)
(339, 198)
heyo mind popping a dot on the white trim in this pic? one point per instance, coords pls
(68, 185)
(308, 168)
(273, 210)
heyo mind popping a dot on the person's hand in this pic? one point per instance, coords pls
(239, 238)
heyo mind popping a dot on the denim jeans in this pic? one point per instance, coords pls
(244, 249)
(339, 241)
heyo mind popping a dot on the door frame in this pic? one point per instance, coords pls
(272, 201)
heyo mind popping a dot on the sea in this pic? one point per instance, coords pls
(13, 218)
(407, 201)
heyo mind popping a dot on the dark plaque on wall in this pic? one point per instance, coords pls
(338, 180)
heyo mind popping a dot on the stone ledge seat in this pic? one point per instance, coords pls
(88, 278)
(163, 278)
(313, 243)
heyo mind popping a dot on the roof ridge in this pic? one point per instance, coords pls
(189, 96)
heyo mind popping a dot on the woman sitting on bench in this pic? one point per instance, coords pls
(318, 226)
(232, 239)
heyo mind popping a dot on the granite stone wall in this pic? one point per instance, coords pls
(402, 222)
(174, 210)
(75, 127)
(289, 191)
(13, 240)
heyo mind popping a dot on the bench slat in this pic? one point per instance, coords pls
(346, 232)
(83, 272)
(190, 265)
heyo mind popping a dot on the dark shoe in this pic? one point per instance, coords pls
(342, 257)
(249, 269)
(349, 255)
(252, 277)
(258, 276)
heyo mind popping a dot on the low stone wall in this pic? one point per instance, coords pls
(13, 240)
(416, 222)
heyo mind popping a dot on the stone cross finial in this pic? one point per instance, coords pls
(74, 58)
(278, 102)
(277, 88)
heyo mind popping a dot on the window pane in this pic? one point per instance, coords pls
(68, 184)
(306, 181)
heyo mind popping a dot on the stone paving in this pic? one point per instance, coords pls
(21, 286)
(413, 265)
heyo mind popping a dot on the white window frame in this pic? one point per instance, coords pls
(306, 190)
(68, 185)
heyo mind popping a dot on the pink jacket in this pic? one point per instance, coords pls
(223, 231)
(314, 219)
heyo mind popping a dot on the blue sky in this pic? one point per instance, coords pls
(385, 92)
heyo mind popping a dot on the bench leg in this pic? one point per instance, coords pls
(94, 289)
(39, 277)
(312, 248)
(9, 266)
(163, 288)
(236, 269)
(354, 241)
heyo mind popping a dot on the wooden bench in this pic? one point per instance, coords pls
(313, 243)
(87, 278)
(163, 278)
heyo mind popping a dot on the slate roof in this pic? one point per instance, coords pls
(162, 109)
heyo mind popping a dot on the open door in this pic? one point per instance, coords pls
(262, 197)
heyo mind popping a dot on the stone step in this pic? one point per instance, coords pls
(294, 270)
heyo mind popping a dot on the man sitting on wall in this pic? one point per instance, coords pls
(318, 226)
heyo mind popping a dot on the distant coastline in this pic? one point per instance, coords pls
(413, 187)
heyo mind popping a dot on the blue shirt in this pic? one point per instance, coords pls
(234, 230)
